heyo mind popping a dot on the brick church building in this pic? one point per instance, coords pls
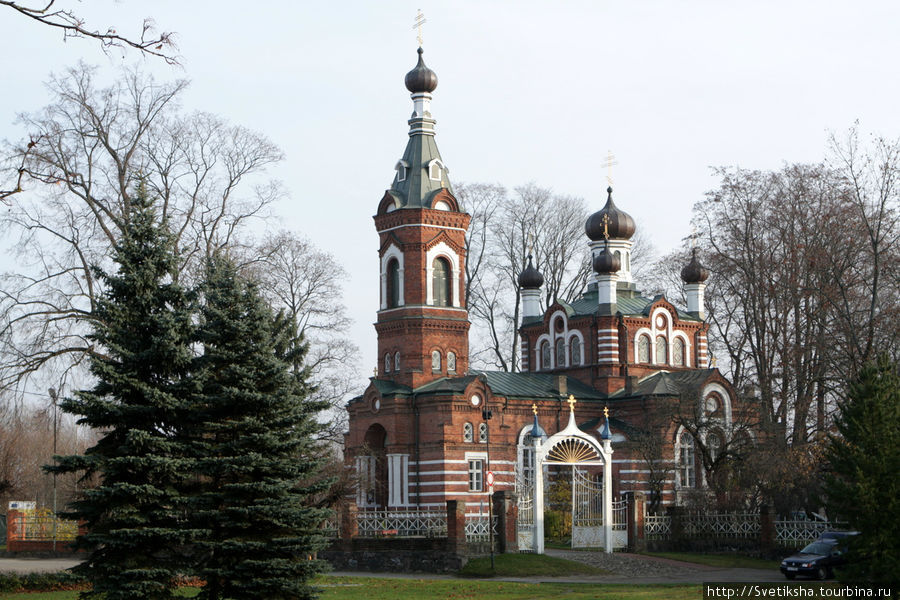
(428, 428)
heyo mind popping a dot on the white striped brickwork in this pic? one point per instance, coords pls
(608, 346)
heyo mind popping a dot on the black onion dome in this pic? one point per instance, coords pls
(530, 278)
(620, 223)
(421, 79)
(694, 272)
(607, 263)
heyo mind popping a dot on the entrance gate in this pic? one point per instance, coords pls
(575, 448)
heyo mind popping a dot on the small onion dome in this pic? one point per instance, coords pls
(620, 225)
(421, 79)
(537, 431)
(694, 272)
(605, 433)
(530, 278)
(607, 263)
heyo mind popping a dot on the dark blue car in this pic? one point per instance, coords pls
(815, 560)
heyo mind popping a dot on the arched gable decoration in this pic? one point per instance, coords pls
(442, 250)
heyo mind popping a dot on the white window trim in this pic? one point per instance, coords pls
(687, 347)
(575, 334)
(637, 337)
(392, 252)
(537, 353)
(440, 166)
(444, 251)
(678, 465)
(401, 167)
(482, 456)
(725, 421)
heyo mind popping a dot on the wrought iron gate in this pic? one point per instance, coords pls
(587, 514)
(525, 524)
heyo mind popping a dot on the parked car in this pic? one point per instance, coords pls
(815, 560)
(836, 535)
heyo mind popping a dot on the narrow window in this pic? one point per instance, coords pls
(434, 172)
(482, 432)
(575, 351)
(678, 352)
(468, 433)
(387, 363)
(714, 445)
(643, 349)
(661, 350)
(393, 283)
(396, 361)
(476, 475)
(545, 355)
(436, 361)
(686, 470)
(451, 362)
(440, 280)
(560, 353)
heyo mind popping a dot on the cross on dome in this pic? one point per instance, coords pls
(534, 409)
(571, 402)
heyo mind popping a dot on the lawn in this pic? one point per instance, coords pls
(372, 588)
(726, 561)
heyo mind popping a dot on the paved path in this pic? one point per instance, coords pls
(36, 565)
(623, 568)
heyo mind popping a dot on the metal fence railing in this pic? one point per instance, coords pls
(401, 523)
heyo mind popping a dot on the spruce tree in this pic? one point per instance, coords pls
(141, 335)
(864, 488)
(252, 434)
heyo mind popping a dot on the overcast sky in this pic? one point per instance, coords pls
(528, 92)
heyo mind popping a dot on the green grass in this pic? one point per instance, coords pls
(725, 561)
(372, 588)
(527, 565)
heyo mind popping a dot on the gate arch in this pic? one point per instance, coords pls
(574, 447)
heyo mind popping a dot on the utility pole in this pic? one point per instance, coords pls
(486, 415)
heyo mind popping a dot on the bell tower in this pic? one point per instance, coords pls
(422, 325)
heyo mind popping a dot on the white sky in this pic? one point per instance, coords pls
(528, 91)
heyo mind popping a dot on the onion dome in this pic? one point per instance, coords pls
(530, 278)
(607, 263)
(694, 272)
(421, 79)
(619, 224)
(537, 432)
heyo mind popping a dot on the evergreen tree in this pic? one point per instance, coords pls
(252, 434)
(864, 487)
(142, 332)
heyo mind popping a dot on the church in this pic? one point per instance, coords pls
(429, 429)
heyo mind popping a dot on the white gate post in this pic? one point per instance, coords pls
(538, 498)
(607, 495)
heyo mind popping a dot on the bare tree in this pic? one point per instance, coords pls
(84, 153)
(305, 282)
(506, 230)
(67, 21)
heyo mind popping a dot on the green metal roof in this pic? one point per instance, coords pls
(418, 189)
(513, 385)
(665, 383)
(628, 303)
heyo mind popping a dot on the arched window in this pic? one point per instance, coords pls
(387, 363)
(440, 279)
(545, 355)
(434, 171)
(714, 445)
(451, 362)
(678, 352)
(575, 351)
(482, 432)
(396, 361)
(643, 349)
(686, 470)
(560, 353)
(436, 361)
(468, 433)
(661, 350)
(393, 283)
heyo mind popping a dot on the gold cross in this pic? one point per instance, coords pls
(606, 412)
(534, 409)
(571, 402)
(375, 372)
(420, 20)
(605, 221)
(608, 163)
